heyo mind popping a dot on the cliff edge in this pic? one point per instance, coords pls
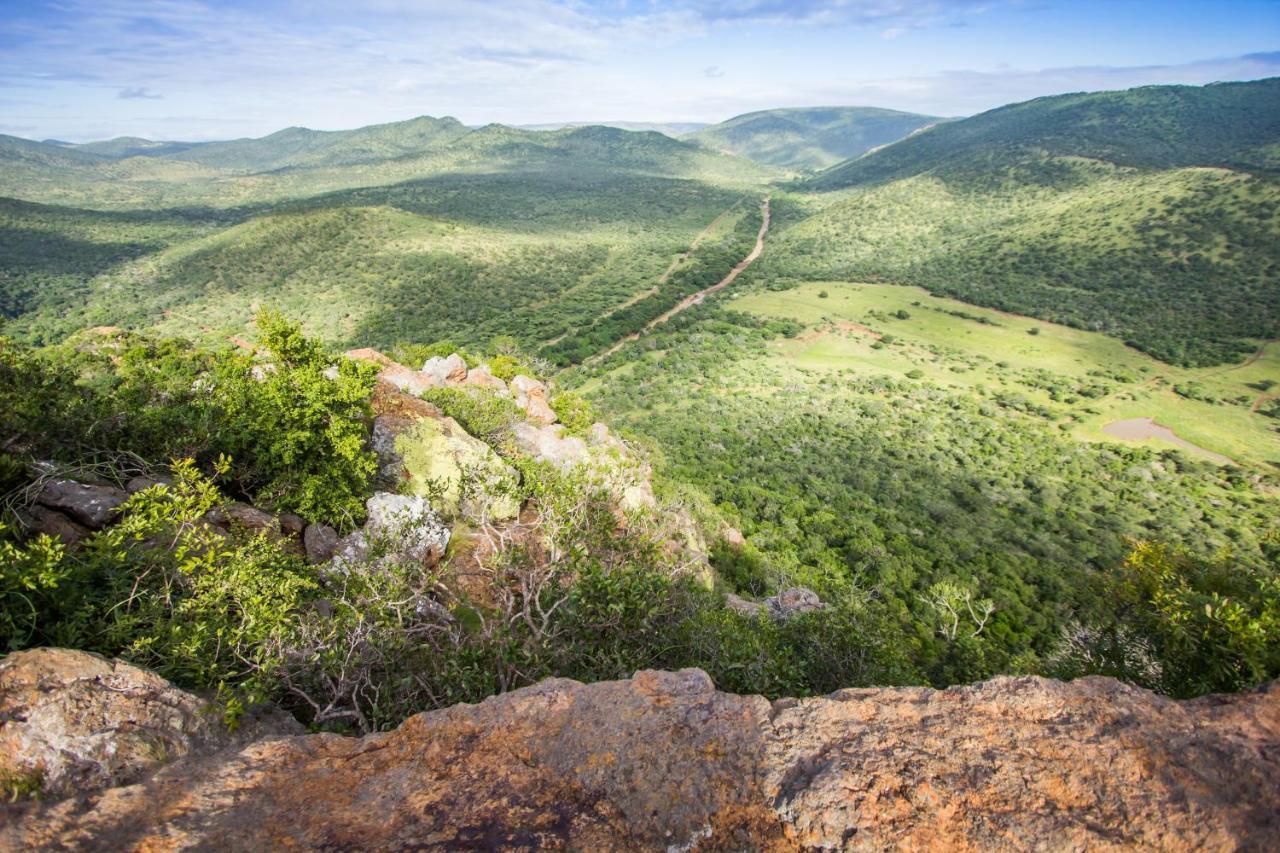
(664, 761)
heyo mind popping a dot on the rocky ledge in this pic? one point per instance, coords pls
(664, 761)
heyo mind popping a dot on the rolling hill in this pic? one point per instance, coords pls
(809, 137)
(1229, 125)
(298, 163)
(1149, 214)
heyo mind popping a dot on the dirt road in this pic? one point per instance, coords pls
(696, 298)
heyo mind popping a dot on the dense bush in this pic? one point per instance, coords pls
(295, 425)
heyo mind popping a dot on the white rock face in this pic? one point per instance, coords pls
(403, 528)
(547, 444)
(451, 370)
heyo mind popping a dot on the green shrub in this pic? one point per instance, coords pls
(574, 412)
(481, 413)
(298, 437)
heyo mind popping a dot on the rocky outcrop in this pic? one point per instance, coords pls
(400, 528)
(664, 762)
(531, 397)
(80, 722)
(91, 505)
(436, 457)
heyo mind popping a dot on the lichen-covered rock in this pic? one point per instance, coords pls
(461, 474)
(403, 528)
(663, 761)
(91, 505)
(80, 722)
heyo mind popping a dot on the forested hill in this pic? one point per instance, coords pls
(297, 162)
(1230, 125)
(809, 137)
(1148, 214)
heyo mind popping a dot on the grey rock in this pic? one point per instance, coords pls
(90, 505)
(319, 541)
(40, 519)
(793, 602)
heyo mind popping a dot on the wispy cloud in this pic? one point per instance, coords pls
(218, 68)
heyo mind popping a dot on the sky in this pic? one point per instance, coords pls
(79, 70)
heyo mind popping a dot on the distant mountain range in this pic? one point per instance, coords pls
(809, 137)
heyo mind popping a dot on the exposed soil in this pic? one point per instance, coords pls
(1141, 429)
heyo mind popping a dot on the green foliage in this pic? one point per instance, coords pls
(30, 577)
(480, 412)
(1183, 625)
(574, 412)
(848, 480)
(299, 437)
(162, 589)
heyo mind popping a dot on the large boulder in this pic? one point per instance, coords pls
(445, 371)
(78, 722)
(399, 528)
(531, 397)
(91, 505)
(664, 762)
(437, 458)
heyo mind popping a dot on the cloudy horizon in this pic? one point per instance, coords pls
(184, 69)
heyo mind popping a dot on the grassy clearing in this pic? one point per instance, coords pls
(948, 342)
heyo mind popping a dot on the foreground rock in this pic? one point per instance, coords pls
(81, 722)
(91, 505)
(663, 761)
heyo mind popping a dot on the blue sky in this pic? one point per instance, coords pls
(186, 69)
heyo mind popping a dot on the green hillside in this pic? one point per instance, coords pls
(809, 137)
(1232, 125)
(466, 257)
(1149, 215)
(297, 163)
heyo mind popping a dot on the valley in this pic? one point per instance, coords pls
(999, 365)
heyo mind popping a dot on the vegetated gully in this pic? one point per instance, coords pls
(694, 299)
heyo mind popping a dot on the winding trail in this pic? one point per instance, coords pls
(696, 298)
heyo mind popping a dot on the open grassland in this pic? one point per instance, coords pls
(1180, 263)
(1085, 380)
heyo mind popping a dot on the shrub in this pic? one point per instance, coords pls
(481, 413)
(299, 437)
(574, 412)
